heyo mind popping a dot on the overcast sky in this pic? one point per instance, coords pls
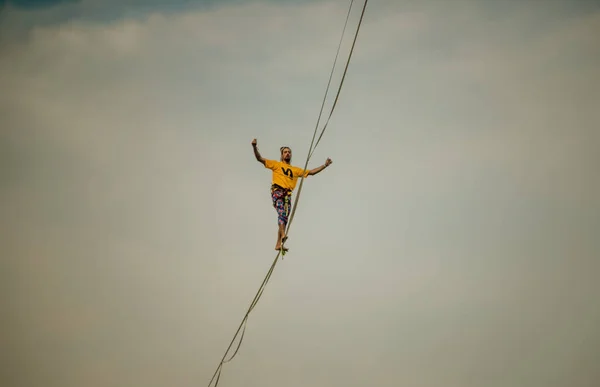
(451, 242)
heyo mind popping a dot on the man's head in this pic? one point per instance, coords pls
(286, 154)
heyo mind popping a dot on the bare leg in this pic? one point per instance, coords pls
(280, 237)
(282, 233)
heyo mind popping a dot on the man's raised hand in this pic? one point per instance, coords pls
(259, 158)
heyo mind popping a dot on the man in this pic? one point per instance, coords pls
(285, 177)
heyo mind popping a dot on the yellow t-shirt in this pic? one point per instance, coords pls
(285, 175)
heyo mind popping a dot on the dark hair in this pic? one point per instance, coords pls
(283, 147)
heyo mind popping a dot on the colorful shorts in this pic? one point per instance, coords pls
(282, 201)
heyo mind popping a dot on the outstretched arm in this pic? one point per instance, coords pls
(259, 158)
(319, 169)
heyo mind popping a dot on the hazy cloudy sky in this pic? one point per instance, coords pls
(451, 243)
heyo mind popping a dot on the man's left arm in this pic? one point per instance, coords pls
(319, 169)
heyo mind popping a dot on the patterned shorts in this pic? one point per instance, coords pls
(282, 201)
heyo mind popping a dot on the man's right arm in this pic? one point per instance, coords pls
(259, 158)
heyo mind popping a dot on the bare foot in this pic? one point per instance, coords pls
(279, 248)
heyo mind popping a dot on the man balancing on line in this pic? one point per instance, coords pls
(284, 181)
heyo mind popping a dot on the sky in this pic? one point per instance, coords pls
(451, 242)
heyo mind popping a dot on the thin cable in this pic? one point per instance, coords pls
(244, 320)
(311, 150)
(343, 76)
(329, 82)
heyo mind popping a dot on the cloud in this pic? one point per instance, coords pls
(452, 241)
